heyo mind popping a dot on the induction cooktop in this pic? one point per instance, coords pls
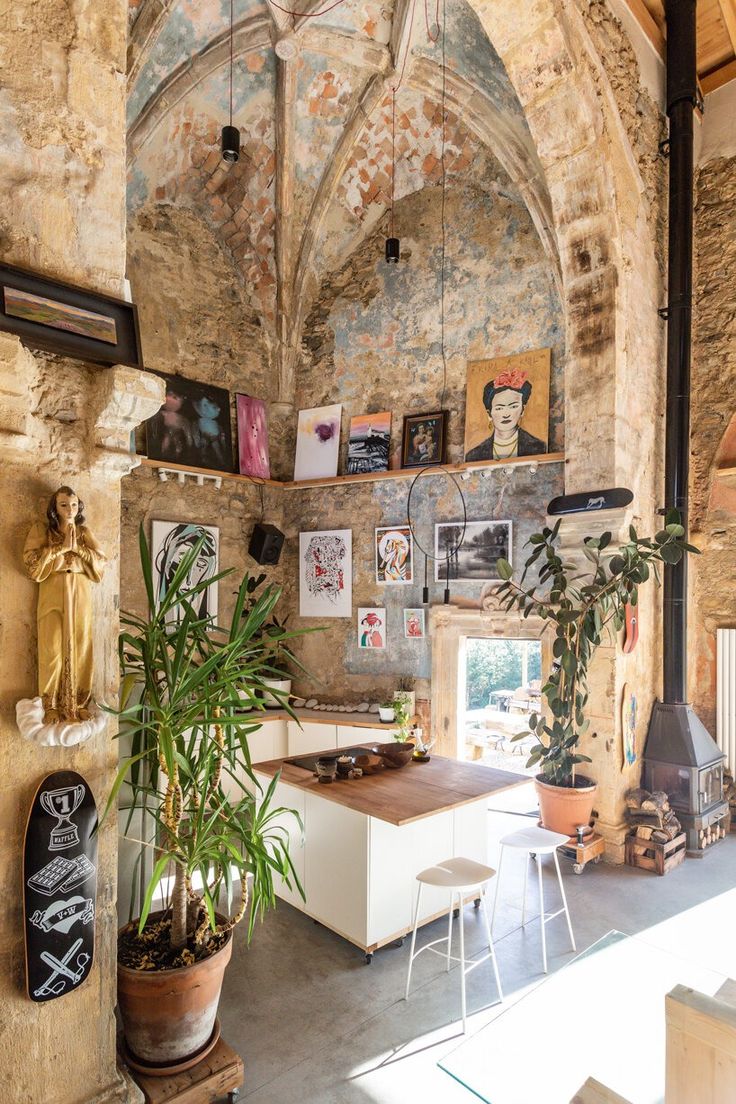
(309, 762)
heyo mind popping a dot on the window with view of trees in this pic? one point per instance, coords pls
(498, 664)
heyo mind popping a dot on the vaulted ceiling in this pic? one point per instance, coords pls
(314, 176)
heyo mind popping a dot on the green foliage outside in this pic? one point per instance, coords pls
(493, 664)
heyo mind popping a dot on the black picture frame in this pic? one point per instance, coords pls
(96, 312)
(429, 454)
(188, 441)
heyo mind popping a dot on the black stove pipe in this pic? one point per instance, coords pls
(682, 94)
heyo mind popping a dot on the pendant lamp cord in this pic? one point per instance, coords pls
(442, 213)
(231, 62)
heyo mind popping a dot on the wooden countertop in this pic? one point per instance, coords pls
(323, 716)
(401, 796)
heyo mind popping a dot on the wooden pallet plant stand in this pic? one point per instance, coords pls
(651, 855)
(219, 1074)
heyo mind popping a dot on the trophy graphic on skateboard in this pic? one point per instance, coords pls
(60, 857)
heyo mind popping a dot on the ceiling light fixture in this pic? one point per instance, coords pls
(231, 134)
(286, 48)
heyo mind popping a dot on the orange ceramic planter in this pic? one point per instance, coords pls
(564, 808)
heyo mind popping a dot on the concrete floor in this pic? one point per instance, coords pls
(315, 1025)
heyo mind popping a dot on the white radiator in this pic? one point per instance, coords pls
(726, 695)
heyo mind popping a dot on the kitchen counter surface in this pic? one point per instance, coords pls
(401, 796)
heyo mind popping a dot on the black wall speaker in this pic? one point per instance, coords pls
(266, 543)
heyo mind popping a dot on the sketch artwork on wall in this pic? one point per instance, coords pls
(394, 554)
(326, 573)
(192, 427)
(368, 443)
(170, 542)
(252, 437)
(371, 627)
(317, 442)
(507, 406)
(475, 559)
(414, 624)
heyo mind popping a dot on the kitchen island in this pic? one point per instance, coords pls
(366, 839)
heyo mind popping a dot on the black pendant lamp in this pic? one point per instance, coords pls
(230, 133)
(393, 245)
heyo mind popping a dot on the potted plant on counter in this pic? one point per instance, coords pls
(216, 833)
(579, 608)
(387, 712)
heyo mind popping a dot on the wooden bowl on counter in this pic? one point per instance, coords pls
(369, 764)
(395, 754)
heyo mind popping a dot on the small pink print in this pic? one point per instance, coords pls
(253, 437)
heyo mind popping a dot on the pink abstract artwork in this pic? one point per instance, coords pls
(253, 437)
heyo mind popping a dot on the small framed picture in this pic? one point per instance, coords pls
(394, 555)
(371, 627)
(472, 557)
(414, 624)
(424, 439)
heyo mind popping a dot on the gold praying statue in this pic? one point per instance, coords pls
(64, 558)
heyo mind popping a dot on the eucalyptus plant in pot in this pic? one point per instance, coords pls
(580, 607)
(216, 832)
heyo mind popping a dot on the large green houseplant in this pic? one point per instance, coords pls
(580, 607)
(186, 683)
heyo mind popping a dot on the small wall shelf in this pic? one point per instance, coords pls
(463, 470)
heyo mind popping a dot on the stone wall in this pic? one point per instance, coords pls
(372, 342)
(713, 408)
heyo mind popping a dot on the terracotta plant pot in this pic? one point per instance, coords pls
(564, 808)
(169, 1015)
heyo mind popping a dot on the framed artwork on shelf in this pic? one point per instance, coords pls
(368, 443)
(394, 555)
(507, 406)
(170, 542)
(326, 573)
(317, 443)
(371, 627)
(414, 624)
(475, 559)
(252, 437)
(192, 427)
(423, 440)
(66, 319)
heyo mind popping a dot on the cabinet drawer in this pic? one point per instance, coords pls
(347, 735)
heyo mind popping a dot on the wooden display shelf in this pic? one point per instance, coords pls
(365, 477)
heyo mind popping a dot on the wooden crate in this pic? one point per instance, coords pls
(220, 1073)
(651, 855)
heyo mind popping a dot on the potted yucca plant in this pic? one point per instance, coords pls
(579, 607)
(186, 683)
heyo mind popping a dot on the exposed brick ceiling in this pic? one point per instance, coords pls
(315, 170)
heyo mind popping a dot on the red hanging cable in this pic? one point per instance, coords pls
(393, 157)
(306, 14)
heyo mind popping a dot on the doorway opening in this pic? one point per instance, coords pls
(501, 680)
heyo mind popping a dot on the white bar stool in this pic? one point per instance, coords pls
(460, 876)
(536, 841)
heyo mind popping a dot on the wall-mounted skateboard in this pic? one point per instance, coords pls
(60, 886)
(615, 498)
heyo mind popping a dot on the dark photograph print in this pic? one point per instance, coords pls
(423, 441)
(192, 427)
(66, 319)
(472, 557)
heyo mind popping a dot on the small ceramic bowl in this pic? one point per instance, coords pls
(395, 754)
(326, 769)
(369, 764)
(344, 766)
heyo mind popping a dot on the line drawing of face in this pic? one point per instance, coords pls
(507, 406)
(178, 542)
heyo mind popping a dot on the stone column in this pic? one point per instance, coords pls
(63, 1050)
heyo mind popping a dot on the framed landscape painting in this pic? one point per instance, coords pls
(394, 555)
(423, 441)
(192, 427)
(67, 319)
(507, 406)
(326, 573)
(317, 443)
(252, 437)
(368, 443)
(371, 627)
(473, 560)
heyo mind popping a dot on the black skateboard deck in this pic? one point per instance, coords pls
(612, 499)
(60, 886)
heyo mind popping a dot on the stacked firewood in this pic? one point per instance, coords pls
(651, 816)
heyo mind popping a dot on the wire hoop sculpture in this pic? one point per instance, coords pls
(435, 469)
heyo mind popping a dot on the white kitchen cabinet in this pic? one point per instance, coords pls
(311, 736)
(352, 735)
(288, 797)
(336, 867)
